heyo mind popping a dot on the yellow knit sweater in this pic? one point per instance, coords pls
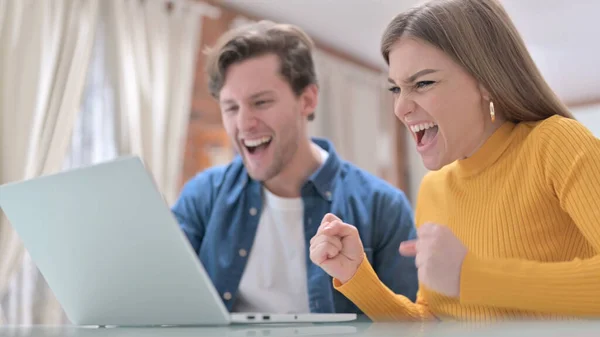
(527, 207)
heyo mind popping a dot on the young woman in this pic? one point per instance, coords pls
(509, 218)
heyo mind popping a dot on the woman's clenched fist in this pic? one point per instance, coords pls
(337, 248)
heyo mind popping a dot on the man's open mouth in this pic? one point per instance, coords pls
(257, 144)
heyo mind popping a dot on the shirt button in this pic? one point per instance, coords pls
(253, 211)
(328, 194)
(227, 296)
(243, 252)
(309, 221)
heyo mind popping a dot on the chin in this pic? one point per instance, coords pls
(432, 164)
(260, 175)
(256, 175)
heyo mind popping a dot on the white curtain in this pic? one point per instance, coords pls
(29, 300)
(154, 65)
(45, 51)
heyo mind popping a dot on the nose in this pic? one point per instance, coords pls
(246, 119)
(403, 106)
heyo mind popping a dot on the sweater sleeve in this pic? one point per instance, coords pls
(570, 157)
(377, 301)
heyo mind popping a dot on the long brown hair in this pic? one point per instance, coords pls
(480, 36)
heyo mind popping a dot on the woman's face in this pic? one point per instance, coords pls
(444, 108)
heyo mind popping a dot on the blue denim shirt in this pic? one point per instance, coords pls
(219, 210)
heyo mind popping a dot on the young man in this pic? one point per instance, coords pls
(251, 221)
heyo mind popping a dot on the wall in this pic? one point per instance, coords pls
(589, 116)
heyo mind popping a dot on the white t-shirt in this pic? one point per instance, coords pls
(274, 280)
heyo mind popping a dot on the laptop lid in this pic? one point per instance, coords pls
(110, 249)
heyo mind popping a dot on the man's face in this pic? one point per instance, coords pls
(262, 115)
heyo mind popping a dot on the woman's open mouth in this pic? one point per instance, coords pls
(425, 133)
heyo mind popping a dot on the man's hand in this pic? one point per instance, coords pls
(439, 256)
(337, 248)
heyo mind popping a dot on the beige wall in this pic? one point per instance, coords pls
(590, 116)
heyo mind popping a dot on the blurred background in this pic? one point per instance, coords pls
(85, 81)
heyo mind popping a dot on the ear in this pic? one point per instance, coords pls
(485, 94)
(309, 99)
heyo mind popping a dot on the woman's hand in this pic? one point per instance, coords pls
(439, 256)
(337, 248)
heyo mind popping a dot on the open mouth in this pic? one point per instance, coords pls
(425, 133)
(254, 146)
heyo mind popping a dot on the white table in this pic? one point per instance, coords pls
(514, 329)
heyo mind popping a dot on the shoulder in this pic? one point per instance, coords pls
(558, 131)
(560, 138)
(371, 187)
(559, 150)
(214, 178)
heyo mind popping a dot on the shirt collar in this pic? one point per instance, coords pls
(323, 178)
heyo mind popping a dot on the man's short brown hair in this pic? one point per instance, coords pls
(292, 45)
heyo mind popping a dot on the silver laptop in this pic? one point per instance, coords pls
(109, 247)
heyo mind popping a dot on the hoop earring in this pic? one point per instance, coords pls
(492, 112)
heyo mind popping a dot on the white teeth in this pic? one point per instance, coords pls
(423, 126)
(256, 142)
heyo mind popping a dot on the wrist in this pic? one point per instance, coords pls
(346, 278)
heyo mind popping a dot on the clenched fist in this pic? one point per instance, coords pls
(337, 248)
(439, 256)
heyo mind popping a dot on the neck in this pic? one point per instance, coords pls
(289, 181)
(491, 149)
(489, 130)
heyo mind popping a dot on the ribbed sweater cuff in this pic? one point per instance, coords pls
(366, 291)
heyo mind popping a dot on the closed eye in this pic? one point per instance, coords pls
(423, 84)
(395, 90)
(263, 103)
(230, 109)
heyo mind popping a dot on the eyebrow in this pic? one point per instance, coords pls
(416, 75)
(261, 93)
(253, 96)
